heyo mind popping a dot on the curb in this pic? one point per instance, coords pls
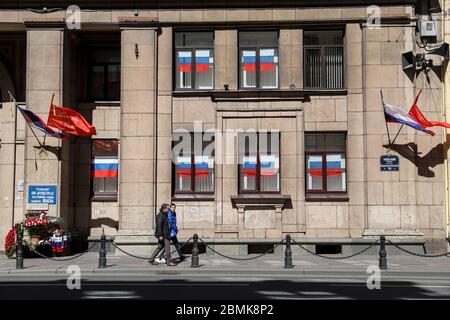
(361, 272)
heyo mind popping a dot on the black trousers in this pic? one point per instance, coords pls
(177, 246)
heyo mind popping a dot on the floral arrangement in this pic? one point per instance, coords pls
(37, 224)
(32, 222)
(11, 241)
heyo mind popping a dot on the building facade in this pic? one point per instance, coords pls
(284, 99)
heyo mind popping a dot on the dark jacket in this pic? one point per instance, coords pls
(162, 228)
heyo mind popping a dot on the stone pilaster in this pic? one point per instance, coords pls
(137, 145)
(44, 78)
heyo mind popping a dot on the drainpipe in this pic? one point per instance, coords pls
(444, 137)
(14, 168)
(155, 124)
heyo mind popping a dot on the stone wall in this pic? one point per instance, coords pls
(408, 203)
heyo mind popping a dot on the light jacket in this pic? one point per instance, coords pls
(172, 216)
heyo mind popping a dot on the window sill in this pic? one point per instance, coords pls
(259, 94)
(262, 199)
(104, 198)
(193, 197)
(330, 197)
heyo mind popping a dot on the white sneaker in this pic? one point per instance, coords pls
(160, 261)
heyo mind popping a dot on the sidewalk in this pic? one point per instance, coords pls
(213, 264)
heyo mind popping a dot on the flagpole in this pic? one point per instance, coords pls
(387, 127)
(15, 103)
(398, 132)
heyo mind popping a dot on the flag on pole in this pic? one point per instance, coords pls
(395, 114)
(35, 122)
(69, 121)
(417, 116)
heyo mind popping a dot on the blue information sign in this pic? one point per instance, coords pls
(42, 194)
(389, 163)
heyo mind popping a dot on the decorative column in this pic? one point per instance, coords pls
(44, 72)
(138, 131)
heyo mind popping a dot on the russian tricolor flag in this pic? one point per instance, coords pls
(249, 60)
(184, 62)
(105, 168)
(398, 115)
(267, 60)
(183, 167)
(34, 121)
(202, 60)
(334, 166)
(202, 165)
(269, 165)
(249, 166)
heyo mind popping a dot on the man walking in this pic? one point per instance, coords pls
(172, 216)
(162, 233)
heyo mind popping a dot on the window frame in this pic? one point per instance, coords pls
(322, 60)
(324, 154)
(104, 196)
(192, 49)
(104, 65)
(257, 63)
(257, 190)
(176, 192)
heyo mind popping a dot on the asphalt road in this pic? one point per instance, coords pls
(220, 287)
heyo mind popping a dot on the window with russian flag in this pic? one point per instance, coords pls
(104, 168)
(325, 162)
(193, 169)
(258, 54)
(259, 162)
(194, 58)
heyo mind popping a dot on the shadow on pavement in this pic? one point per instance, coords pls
(215, 290)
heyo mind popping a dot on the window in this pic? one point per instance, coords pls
(325, 162)
(104, 169)
(193, 159)
(258, 59)
(104, 74)
(324, 59)
(259, 162)
(194, 59)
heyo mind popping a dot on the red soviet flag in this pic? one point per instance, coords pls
(418, 116)
(69, 121)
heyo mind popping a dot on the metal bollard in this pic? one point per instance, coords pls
(19, 252)
(102, 252)
(382, 263)
(288, 253)
(194, 259)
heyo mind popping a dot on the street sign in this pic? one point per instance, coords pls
(42, 194)
(389, 163)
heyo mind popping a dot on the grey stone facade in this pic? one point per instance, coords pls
(406, 204)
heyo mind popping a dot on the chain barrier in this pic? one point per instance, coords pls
(446, 254)
(62, 259)
(335, 258)
(146, 258)
(241, 259)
